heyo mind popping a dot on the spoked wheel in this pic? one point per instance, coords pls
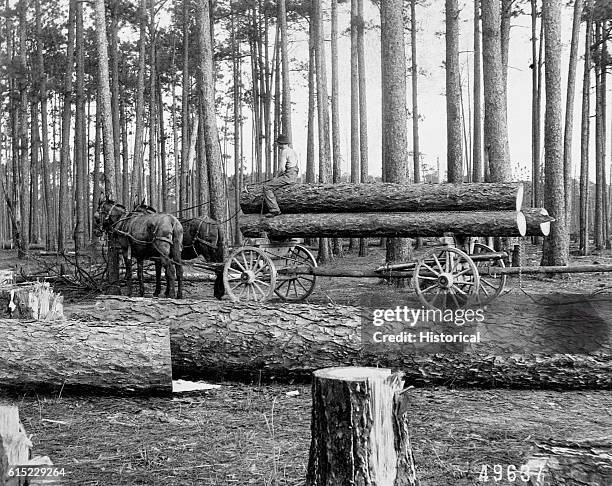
(295, 287)
(446, 278)
(249, 275)
(490, 284)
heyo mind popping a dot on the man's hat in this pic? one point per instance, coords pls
(283, 139)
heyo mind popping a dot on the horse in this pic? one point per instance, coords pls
(202, 237)
(154, 236)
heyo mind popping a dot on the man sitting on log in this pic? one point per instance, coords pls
(289, 157)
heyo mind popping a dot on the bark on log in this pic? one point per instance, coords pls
(34, 301)
(572, 462)
(538, 221)
(359, 429)
(14, 445)
(125, 355)
(388, 197)
(220, 339)
(354, 225)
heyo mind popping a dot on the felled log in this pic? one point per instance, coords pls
(572, 462)
(353, 225)
(31, 301)
(538, 221)
(121, 355)
(388, 197)
(220, 339)
(359, 418)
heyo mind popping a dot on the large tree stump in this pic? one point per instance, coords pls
(388, 197)
(359, 429)
(31, 301)
(354, 225)
(126, 356)
(585, 462)
(14, 445)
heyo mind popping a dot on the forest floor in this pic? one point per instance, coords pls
(242, 434)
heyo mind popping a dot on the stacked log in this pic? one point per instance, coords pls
(393, 210)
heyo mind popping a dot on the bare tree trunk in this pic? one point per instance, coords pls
(236, 100)
(598, 219)
(310, 136)
(211, 136)
(477, 169)
(67, 115)
(24, 162)
(394, 117)
(34, 218)
(182, 179)
(163, 172)
(506, 15)
(325, 169)
(125, 152)
(454, 147)
(97, 149)
(137, 169)
(79, 133)
(154, 191)
(585, 135)
(569, 112)
(355, 172)
(495, 103)
(556, 246)
(363, 111)
(114, 60)
(286, 107)
(46, 176)
(335, 110)
(604, 185)
(535, 108)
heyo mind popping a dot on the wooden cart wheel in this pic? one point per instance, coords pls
(446, 277)
(295, 288)
(490, 285)
(249, 275)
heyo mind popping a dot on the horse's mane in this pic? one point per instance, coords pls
(144, 208)
(110, 201)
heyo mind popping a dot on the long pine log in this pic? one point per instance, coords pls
(125, 355)
(217, 338)
(354, 225)
(387, 197)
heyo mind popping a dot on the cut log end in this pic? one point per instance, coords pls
(353, 373)
(521, 223)
(519, 197)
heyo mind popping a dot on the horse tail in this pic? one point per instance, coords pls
(219, 256)
(177, 242)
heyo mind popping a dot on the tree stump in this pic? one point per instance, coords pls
(359, 429)
(14, 445)
(32, 301)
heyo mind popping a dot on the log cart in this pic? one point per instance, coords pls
(446, 276)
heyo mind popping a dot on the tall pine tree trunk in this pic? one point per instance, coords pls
(114, 60)
(556, 245)
(286, 107)
(355, 172)
(154, 190)
(163, 169)
(363, 111)
(310, 135)
(138, 166)
(394, 116)
(598, 218)
(454, 146)
(79, 134)
(477, 169)
(585, 134)
(184, 111)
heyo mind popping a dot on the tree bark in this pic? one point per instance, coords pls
(359, 429)
(310, 135)
(209, 121)
(454, 147)
(79, 134)
(347, 225)
(153, 184)
(598, 216)
(538, 221)
(394, 116)
(137, 169)
(416, 154)
(585, 134)
(388, 197)
(569, 112)
(14, 445)
(355, 149)
(114, 64)
(286, 106)
(477, 168)
(296, 339)
(495, 123)
(129, 356)
(363, 110)
(183, 166)
(556, 246)
(574, 461)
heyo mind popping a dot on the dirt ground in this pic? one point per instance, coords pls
(245, 434)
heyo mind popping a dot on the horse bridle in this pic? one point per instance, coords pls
(108, 215)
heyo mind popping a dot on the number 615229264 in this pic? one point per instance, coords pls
(511, 473)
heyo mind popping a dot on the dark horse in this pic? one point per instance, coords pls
(202, 237)
(155, 236)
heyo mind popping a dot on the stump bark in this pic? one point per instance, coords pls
(212, 339)
(353, 225)
(32, 301)
(359, 429)
(572, 462)
(127, 356)
(388, 197)
(14, 445)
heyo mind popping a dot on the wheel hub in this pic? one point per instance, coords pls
(248, 277)
(445, 280)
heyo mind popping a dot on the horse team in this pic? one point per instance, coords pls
(145, 234)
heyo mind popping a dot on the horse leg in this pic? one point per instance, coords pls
(158, 267)
(179, 279)
(128, 272)
(140, 265)
(170, 278)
